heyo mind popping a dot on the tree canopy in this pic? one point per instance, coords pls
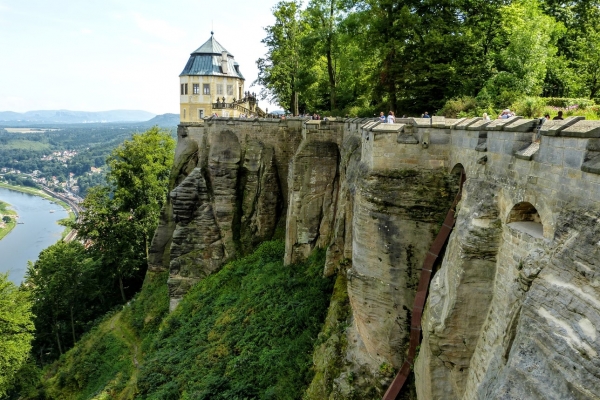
(16, 330)
(361, 56)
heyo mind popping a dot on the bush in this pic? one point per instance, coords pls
(529, 107)
(453, 108)
(247, 331)
(565, 102)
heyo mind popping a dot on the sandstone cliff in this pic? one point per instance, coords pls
(514, 308)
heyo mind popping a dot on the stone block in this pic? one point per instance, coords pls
(438, 122)
(550, 155)
(499, 124)
(592, 166)
(422, 122)
(521, 125)
(583, 129)
(573, 158)
(478, 125)
(466, 122)
(554, 127)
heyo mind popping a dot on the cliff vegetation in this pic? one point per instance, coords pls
(247, 331)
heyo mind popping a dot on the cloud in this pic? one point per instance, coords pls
(159, 28)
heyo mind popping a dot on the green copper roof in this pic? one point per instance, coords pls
(206, 61)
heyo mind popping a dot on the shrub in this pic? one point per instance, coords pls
(454, 107)
(529, 107)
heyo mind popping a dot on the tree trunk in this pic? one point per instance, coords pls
(73, 326)
(58, 341)
(122, 290)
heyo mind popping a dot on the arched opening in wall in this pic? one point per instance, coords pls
(525, 218)
(458, 172)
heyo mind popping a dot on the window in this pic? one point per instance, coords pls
(200, 113)
(185, 88)
(184, 113)
(219, 89)
(196, 88)
(229, 90)
(206, 88)
(182, 89)
(240, 92)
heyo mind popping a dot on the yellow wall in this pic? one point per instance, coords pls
(191, 103)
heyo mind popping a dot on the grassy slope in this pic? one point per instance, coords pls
(247, 331)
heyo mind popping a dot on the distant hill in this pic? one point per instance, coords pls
(167, 120)
(73, 117)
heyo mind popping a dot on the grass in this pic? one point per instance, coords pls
(104, 363)
(247, 331)
(5, 228)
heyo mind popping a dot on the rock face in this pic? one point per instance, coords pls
(226, 197)
(514, 308)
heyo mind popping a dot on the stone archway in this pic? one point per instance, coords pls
(524, 217)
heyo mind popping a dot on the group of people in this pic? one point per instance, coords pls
(505, 114)
(390, 119)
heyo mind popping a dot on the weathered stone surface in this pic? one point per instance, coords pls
(396, 217)
(262, 199)
(313, 185)
(460, 296)
(197, 248)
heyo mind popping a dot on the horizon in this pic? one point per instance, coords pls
(109, 55)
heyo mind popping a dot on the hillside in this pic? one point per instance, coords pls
(73, 117)
(247, 331)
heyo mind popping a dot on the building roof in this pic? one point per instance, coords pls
(206, 61)
(211, 46)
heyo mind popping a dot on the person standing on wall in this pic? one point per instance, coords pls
(382, 116)
(559, 116)
(425, 115)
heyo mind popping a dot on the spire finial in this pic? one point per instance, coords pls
(211, 33)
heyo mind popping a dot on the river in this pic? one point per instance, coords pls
(37, 229)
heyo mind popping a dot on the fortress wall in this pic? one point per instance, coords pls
(373, 195)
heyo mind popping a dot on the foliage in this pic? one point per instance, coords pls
(16, 330)
(104, 360)
(366, 56)
(529, 107)
(278, 71)
(244, 332)
(118, 220)
(69, 292)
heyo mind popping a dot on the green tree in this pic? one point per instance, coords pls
(16, 330)
(119, 220)
(530, 38)
(6, 219)
(69, 291)
(279, 70)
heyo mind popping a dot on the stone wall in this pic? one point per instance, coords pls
(513, 309)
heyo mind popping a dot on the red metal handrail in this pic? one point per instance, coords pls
(421, 297)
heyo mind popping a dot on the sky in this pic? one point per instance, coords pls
(98, 55)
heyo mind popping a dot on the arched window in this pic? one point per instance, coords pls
(525, 218)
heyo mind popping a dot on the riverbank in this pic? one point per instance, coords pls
(42, 194)
(6, 227)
